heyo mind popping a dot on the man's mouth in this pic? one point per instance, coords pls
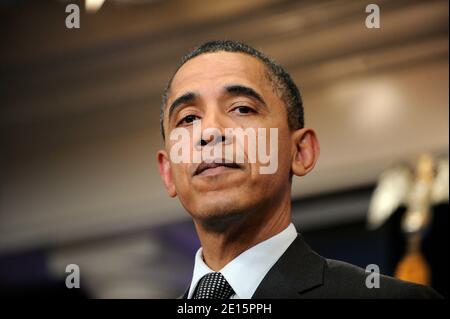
(204, 167)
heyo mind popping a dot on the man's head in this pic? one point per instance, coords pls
(280, 79)
(223, 85)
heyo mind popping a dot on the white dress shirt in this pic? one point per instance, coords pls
(245, 272)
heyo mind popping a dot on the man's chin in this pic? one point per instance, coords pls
(224, 207)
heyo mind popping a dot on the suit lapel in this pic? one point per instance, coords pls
(298, 271)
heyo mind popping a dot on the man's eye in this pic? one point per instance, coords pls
(188, 119)
(243, 110)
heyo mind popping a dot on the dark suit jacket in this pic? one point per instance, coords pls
(302, 273)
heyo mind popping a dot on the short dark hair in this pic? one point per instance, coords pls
(281, 80)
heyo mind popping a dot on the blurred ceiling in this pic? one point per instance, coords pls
(79, 114)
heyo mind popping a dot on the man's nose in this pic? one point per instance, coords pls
(212, 129)
(214, 139)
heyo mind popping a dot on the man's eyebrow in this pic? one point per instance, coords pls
(246, 91)
(188, 97)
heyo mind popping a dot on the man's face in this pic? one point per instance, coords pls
(225, 90)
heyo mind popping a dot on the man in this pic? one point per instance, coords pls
(249, 247)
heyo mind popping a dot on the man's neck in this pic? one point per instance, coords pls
(221, 247)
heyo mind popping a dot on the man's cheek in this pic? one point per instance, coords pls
(179, 176)
(267, 143)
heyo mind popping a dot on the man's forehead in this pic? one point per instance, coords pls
(213, 68)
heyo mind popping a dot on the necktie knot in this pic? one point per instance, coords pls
(213, 286)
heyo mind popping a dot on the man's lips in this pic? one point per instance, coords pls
(205, 166)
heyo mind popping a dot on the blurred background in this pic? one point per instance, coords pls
(79, 130)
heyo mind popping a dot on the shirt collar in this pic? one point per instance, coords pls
(245, 272)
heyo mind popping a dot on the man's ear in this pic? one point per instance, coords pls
(164, 171)
(305, 151)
